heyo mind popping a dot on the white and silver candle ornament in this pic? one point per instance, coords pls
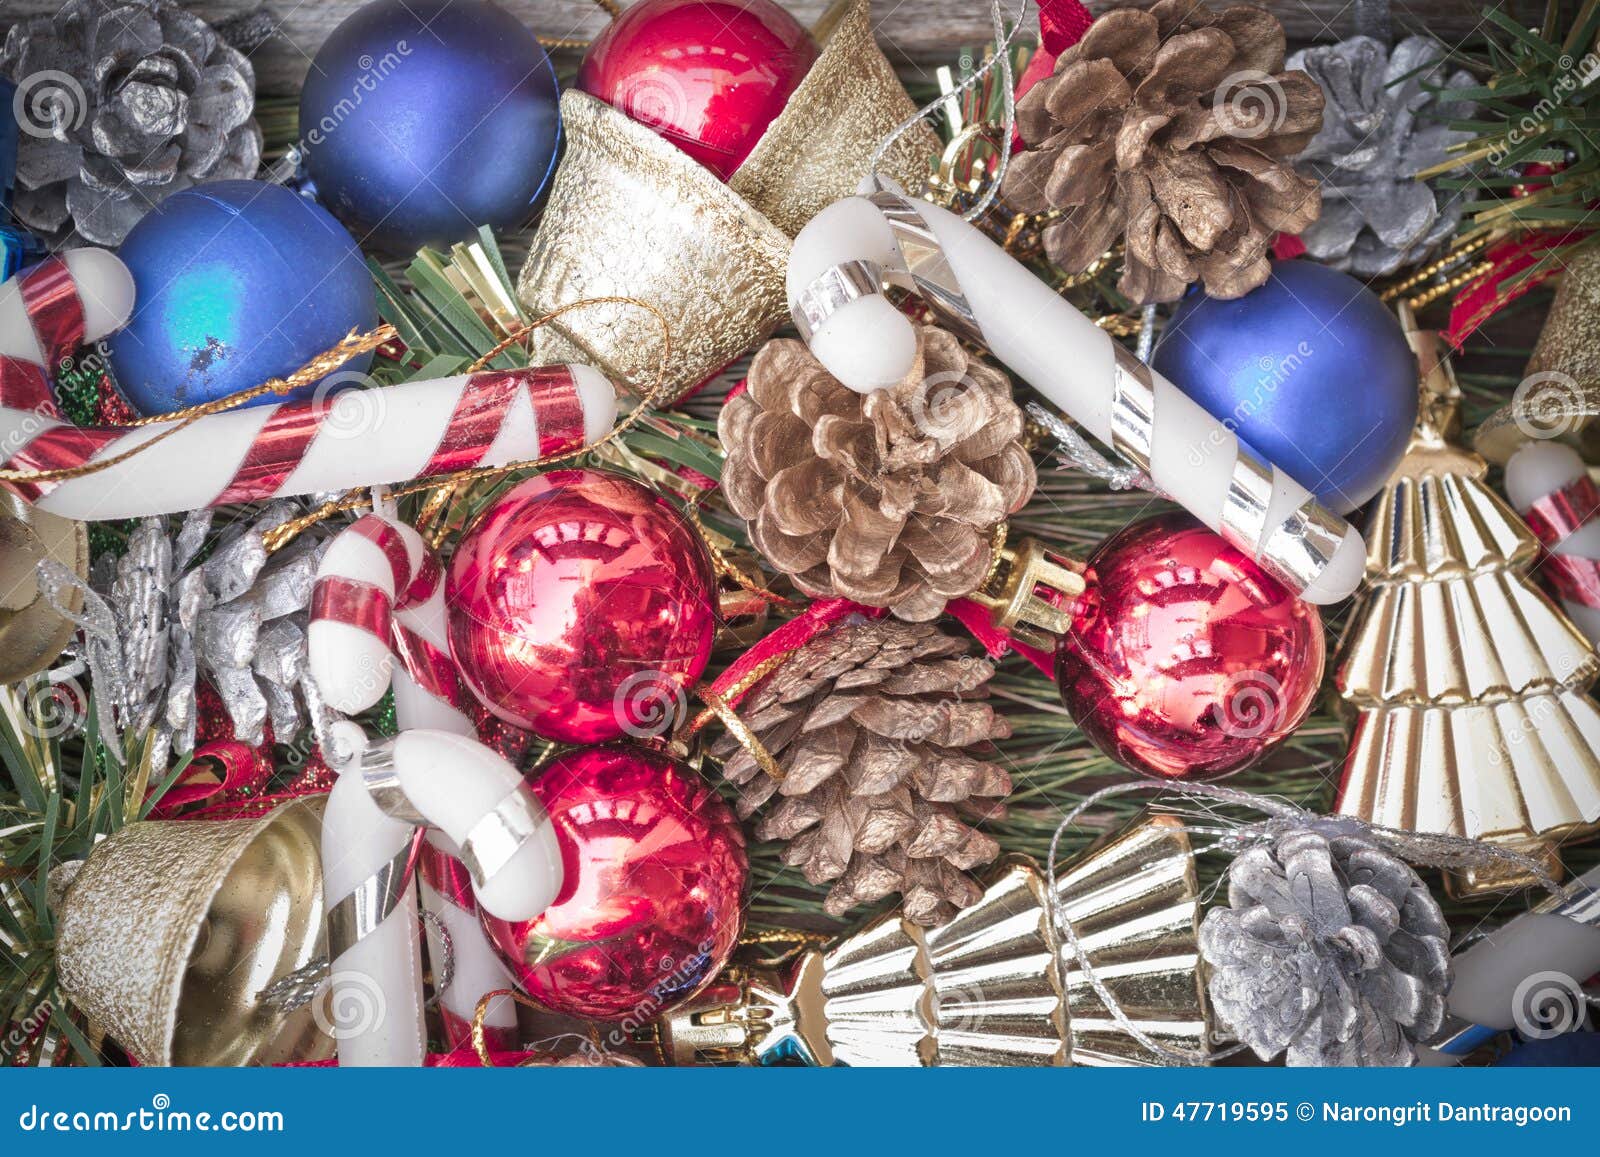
(1549, 484)
(385, 563)
(851, 252)
(386, 794)
(1526, 975)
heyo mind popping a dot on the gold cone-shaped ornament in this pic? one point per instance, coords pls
(169, 932)
(994, 986)
(1466, 683)
(630, 215)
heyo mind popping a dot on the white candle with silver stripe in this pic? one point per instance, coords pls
(846, 257)
(391, 790)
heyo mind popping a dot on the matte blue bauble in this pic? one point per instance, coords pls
(237, 282)
(1311, 371)
(424, 119)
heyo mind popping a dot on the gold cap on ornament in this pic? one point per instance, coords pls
(1559, 396)
(819, 149)
(170, 930)
(1466, 683)
(630, 215)
(992, 987)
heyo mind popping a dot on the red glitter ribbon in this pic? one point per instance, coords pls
(1555, 518)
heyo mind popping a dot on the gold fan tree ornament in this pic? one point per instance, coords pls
(1468, 686)
(995, 986)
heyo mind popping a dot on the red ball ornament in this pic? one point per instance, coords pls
(654, 870)
(581, 607)
(709, 75)
(1186, 659)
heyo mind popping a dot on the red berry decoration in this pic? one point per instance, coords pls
(709, 75)
(581, 606)
(650, 906)
(1185, 658)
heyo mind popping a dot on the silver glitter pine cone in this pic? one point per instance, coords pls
(1383, 121)
(123, 103)
(1330, 950)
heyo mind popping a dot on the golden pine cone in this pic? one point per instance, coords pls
(880, 729)
(1173, 128)
(889, 498)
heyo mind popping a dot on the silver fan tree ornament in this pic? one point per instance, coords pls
(121, 104)
(1383, 121)
(1330, 950)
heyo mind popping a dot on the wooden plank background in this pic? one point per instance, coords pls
(912, 31)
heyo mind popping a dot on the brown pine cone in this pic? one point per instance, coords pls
(1174, 128)
(889, 498)
(880, 731)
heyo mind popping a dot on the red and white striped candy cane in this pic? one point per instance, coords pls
(379, 595)
(353, 438)
(1550, 486)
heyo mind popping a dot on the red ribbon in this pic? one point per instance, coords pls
(1553, 519)
(1488, 294)
(51, 298)
(819, 617)
(995, 642)
(237, 767)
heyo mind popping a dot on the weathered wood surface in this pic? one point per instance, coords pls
(911, 30)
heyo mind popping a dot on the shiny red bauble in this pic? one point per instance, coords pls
(1186, 659)
(709, 75)
(581, 604)
(654, 870)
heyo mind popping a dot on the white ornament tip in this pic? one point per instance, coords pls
(1541, 468)
(598, 398)
(1343, 574)
(105, 287)
(868, 345)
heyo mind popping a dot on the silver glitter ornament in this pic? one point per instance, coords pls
(1330, 950)
(1381, 124)
(123, 103)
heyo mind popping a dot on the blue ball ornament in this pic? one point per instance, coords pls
(1569, 1050)
(1311, 371)
(237, 282)
(423, 119)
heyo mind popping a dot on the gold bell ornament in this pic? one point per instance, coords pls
(32, 632)
(1468, 686)
(169, 933)
(993, 986)
(630, 215)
